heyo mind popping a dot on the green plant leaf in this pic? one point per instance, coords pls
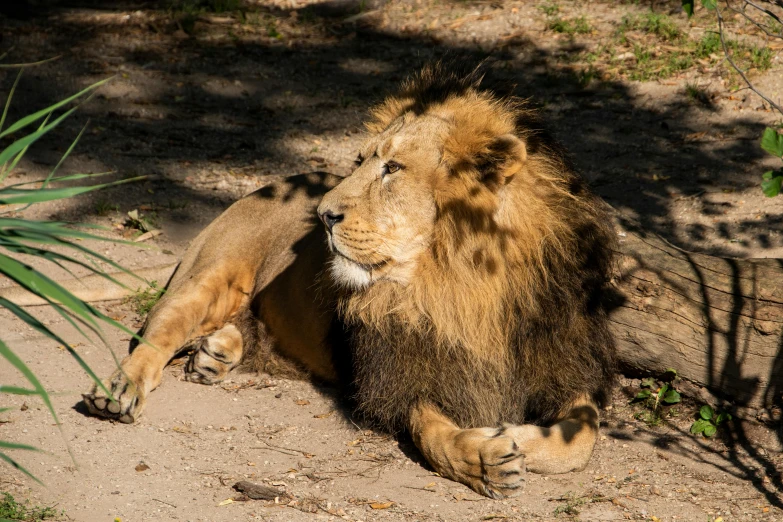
(644, 394)
(706, 412)
(772, 142)
(649, 382)
(709, 4)
(709, 430)
(722, 417)
(687, 6)
(771, 185)
(672, 397)
(698, 426)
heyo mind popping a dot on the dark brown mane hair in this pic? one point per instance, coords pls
(503, 320)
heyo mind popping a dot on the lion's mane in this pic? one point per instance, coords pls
(504, 320)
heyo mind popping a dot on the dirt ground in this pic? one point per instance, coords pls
(210, 104)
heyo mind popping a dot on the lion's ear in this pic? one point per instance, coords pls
(504, 158)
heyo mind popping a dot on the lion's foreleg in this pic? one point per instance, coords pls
(563, 447)
(184, 314)
(484, 459)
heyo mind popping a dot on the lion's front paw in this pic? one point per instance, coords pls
(130, 399)
(489, 462)
(215, 356)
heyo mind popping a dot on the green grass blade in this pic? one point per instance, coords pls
(16, 390)
(6, 169)
(10, 95)
(32, 118)
(17, 363)
(17, 146)
(16, 445)
(45, 287)
(69, 177)
(37, 325)
(18, 466)
(65, 155)
(29, 64)
(14, 196)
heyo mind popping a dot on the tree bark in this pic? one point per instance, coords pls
(717, 321)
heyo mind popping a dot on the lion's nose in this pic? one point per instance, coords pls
(330, 219)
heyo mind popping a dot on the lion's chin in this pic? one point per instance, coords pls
(346, 272)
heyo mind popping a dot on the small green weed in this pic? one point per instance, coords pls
(697, 94)
(772, 142)
(657, 24)
(271, 30)
(549, 9)
(143, 300)
(654, 396)
(571, 506)
(570, 27)
(104, 208)
(141, 222)
(10, 509)
(709, 421)
(761, 57)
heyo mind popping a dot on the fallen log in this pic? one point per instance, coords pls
(717, 321)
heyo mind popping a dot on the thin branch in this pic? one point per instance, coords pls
(765, 10)
(734, 65)
(741, 11)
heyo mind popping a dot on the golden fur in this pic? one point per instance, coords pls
(458, 286)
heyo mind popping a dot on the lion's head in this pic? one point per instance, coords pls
(459, 205)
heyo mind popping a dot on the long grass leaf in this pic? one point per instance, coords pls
(32, 118)
(14, 148)
(67, 177)
(6, 169)
(34, 323)
(45, 287)
(14, 196)
(29, 64)
(15, 445)
(17, 363)
(10, 96)
(16, 390)
(18, 466)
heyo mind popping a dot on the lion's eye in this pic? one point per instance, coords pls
(359, 160)
(391, 167)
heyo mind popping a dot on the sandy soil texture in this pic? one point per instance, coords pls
(210, 104)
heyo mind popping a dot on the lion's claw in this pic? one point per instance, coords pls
(127, 404)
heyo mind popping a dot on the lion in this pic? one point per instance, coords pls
(452, 285)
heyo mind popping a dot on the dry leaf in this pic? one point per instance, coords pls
(381, 505)
(226, 502)
(141, 467)
(302, 402)
(323, 415)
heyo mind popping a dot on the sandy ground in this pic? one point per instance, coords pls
(209, 113)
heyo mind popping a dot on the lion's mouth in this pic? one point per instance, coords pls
(368, 267)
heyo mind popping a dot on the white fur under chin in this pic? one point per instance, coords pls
(349, 274)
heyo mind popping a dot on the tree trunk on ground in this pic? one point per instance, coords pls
(717, 321)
